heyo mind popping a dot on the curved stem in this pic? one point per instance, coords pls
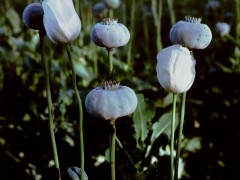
(180, 134)
(112, 149)
(125, 152)
(50, 107)
(79, 108)
(172, 136)
(232, 39)
(110, 61)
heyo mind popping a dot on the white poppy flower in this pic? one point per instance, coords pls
(175, 69)
(61, 22)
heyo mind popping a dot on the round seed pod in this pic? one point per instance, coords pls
(110, 101)
(222, 28)
(100, 10)
(33, 16)
(110, 34)
(191, 33)
(113, 4)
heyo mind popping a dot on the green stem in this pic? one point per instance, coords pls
(49, 100)
(110, 61)
(237, 30)
(132, 20)
(112, 149)
(172, 136)
(125, 152)
(171, 10)
(110, 13)
(180, 134)
(232, 39)
(157, 15)
(79, 108)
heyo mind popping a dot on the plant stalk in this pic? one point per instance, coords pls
(50, 106)
(74, 81)
(132, 19)
(112, 149)
(180, 133)
(110, 61)
(172, 136)
(171, 10)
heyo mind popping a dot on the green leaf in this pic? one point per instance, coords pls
(107, 155)
(163, 126)
(194, 144)
(141, 118)
(14, 19)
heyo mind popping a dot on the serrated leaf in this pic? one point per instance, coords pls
(163, 126)
(141, 117)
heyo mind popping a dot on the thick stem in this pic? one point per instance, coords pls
(79, 108)
(180, 134)
(49, 100)
(172, 136)
(112, 149)
(110, 61)
(111, 13)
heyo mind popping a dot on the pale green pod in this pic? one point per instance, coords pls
(222, 28)
(100, 9)
(191, 33)
(33, 16)
(113, 4)
(110, 101)
(110, 34)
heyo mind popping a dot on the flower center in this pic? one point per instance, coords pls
(110, 85)
(191, 19)
(109, 21)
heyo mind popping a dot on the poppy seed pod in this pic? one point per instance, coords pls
(100, 10)
(110, 34)
(111, 101)
(113, 4)
(222, 28)
(175, 69)
(191, 33)
(61, 21)
(33, 16)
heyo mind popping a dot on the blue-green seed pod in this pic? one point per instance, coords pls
(111, 101)
(113, 4)
(100, 10)
(222, 28)
(110, 34)
(33, 16)
(191, 33)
